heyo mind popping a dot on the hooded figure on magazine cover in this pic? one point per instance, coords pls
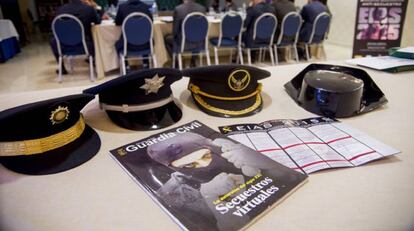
(205, 170)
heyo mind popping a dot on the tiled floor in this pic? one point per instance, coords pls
(34, 69)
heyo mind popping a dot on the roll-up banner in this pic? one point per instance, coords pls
(378, 27)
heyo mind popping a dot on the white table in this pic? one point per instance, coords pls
(99, 195)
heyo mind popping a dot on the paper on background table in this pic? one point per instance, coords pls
(406, 49)
(381, 62)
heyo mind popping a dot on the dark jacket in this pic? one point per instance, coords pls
(252, 13)
(85, 13)
(309, 13)
(131, 6)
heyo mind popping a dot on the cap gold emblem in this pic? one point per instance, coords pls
(238, 80)
(59, 115)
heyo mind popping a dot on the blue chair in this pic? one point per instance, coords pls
(289, 33)
(263, 33)
(137, 30)
(319, 31)
(194, 31)
(231, 26)
(70, 40)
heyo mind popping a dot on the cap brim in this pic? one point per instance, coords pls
(58, 160)
(152, 119)
(229, 108)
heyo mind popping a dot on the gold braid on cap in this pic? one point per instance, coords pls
(41, 145)
(204, 104)
(196, 90)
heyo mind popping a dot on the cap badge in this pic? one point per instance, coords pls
(238, 80)
(59, 115)
(153, 85)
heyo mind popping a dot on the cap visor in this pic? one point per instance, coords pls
(57, 160)
(152, 119)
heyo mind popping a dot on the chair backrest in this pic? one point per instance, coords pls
(137, 30)
(319, 28)
(265, 27)
(231, 26)
(194, 29)
(68, 31)
(290, 28)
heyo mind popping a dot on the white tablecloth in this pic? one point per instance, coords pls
(7, 30)
(99, 195)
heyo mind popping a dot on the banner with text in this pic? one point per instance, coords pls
(378, 27)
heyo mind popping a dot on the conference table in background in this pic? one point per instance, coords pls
(9, 40)
(107, 33)
(100, 195)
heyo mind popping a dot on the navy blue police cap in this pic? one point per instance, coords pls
(141, 100)
(227, 90)
(48, 136)
(335, 91)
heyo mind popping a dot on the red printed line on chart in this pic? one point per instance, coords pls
(359, 155)
(342, 138)
(321, 161)
(269, 150)
(294, 145)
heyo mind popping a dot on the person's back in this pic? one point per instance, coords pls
(252, 13)
(131, 6)
(86, 14)
(309, 12)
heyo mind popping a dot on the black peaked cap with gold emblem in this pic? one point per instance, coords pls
(141, 100)
(48, 136)
(227, 90)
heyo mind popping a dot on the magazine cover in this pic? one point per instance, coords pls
(204, 180)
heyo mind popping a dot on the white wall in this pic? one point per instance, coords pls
(343, 22)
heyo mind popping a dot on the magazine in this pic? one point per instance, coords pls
(310, 145)
(204, 180)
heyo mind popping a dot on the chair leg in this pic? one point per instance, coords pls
(154, 59)
(120, 65)
(91, 71)
(208, 57)
(70, 64)
(180, 61)
(216, 56)
(260, 55)
(272, 59)
(249, 57)
(123, 65)
(200, 56)
(60, 69)
(276, 56)
(307, 52)
(241, 55)
(296, 52)
(264, 55)
(173, 60)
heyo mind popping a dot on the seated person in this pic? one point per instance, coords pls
(173, 41)
(131, 6)
(87, 15)
(282, 8)
(309, 13)
(257, 8)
